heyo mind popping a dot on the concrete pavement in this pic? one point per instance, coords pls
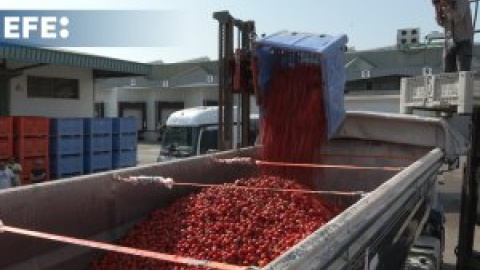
(148, 153)
(450, 196)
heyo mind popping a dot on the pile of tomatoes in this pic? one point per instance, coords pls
(232, 225)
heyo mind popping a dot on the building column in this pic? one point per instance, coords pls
(111, 108)
(151, 134)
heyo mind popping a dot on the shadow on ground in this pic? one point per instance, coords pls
(448, 266)
(451, 201)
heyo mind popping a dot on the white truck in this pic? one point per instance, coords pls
(194, 131)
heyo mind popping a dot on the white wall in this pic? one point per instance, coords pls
(52, 107)
(109, 98)
(133, 95)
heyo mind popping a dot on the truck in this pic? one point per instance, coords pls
(376, 231)
(194, 131)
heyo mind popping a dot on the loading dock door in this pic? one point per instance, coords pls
(165, 114)
(137, 110)
(164, 109)
(137, 114)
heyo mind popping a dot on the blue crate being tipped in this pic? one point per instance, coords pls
(291, 48)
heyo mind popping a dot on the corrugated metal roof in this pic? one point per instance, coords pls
(63, 58)
(381, 62)
(392, 61)
(168, 71)
(383, 58)
(136, 81)
(406, 71)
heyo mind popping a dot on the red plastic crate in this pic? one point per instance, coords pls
(31, 126)
(31, 147)
(6, 126)
(29, 163)
(6, 148)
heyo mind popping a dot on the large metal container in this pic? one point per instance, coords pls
(378, 226)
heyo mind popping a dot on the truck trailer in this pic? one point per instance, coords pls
(376, 231)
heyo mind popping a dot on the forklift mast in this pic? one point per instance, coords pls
(235, 78)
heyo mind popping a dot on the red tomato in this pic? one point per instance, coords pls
(235, 226)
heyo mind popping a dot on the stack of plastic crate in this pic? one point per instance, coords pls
(124, 142)
(6, 137)
(31, 145)
(97, 144)
(452, 92)
(66, 147)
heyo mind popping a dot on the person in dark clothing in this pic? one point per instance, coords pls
(455, 17)
(38, 174)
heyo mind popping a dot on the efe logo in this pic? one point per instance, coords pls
(16, 27)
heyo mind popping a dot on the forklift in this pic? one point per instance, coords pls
(237, 78)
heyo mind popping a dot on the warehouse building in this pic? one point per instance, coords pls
(381, 69)
(53, 83)
(373, 76)
(178, 86)
(373, 84)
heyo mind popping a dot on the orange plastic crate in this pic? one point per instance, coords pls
(6, 126)
(6, 148)
(29, 163)
(31, 126)
(31, 147)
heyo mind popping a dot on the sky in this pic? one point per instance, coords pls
(367, 23)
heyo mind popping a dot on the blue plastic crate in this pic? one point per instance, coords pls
(122, 159)
(66, 165)
(96, 162)
(125, 142)
(97, 126)
(290, 48)
(66, 145)
(99, 143)
(66, 127)
(125, 125)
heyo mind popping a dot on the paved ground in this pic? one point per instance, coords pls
(449, 194)
(148, 153)
(450, 197)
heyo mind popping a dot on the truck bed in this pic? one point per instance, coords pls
(370, 230)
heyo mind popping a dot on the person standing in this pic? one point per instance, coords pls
(38, 174)
(16, 169)
(6, 176)
(455, 17)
